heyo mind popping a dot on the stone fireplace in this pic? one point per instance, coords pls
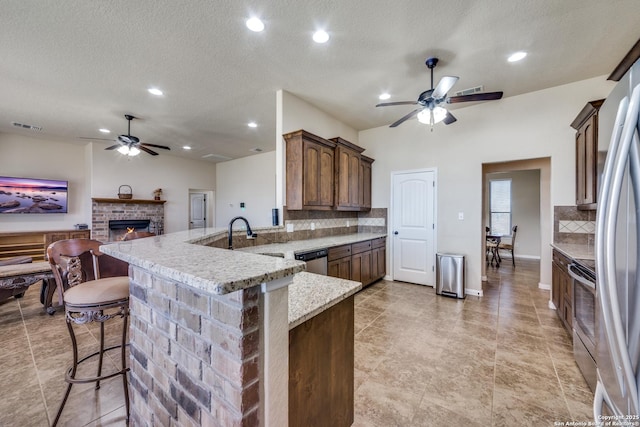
(120, 211)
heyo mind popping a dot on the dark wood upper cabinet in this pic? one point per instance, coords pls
(347, 175)
(310, 171)
(586, 126)
(326, 174)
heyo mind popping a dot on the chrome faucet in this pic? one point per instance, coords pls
(250, 234)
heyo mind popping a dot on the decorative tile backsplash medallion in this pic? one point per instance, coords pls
(573, 226)
(585, 227)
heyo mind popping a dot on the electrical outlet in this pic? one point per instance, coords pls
(313, 226)
(461, 216)
(348, 223)
(289, 227)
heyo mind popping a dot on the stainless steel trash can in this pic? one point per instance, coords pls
(450, 275)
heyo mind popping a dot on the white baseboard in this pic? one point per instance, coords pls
(552, 306)
(387, 277)
(474, 292)
(544, 286)
(527, 257)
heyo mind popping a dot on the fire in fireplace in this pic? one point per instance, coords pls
(118, 228)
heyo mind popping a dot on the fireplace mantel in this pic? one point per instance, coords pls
(105, 209)
(139, 201)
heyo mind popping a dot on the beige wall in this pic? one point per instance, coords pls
(28, 157)
(94, 172)
(533, 125)
(251, 180)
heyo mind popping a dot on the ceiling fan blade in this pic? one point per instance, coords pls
(96, 139)
(146, 150)
(113, 147)
(444, 85)
(154, 145)
(449, 118)
(407, 117)
(387, 104)
(487, 96)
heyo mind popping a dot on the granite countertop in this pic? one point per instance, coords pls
(289, 249)
(311, 294)
(575, 251)
(182, 256)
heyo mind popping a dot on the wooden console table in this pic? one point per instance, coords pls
(34, 243)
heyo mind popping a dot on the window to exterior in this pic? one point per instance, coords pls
(500, 202)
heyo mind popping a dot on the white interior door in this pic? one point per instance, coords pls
(413, 226)
(198, 208)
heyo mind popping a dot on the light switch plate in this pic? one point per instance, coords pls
(461, 216)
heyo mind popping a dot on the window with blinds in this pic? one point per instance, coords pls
(500, 202)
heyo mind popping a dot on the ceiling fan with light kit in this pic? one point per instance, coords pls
(430, 110)
(130, 145)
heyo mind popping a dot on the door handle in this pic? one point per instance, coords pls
(395, 232)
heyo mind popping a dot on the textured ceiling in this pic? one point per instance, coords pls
(75, 66)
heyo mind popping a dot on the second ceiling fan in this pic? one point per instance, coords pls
(430, 110)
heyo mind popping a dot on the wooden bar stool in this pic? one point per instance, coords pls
(89, 298)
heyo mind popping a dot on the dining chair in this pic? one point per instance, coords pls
(509, 246)
(89, 298)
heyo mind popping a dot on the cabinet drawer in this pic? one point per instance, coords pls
(361, 247)
(561, 259)
(379, 242)
(338, 252)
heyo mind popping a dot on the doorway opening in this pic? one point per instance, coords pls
(201, 208)
(529, 209)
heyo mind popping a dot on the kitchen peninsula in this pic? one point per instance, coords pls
(210, 328)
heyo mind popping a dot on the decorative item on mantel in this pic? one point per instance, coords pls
(127, 193)
(157, 194)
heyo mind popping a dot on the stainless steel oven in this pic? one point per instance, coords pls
(584, 320)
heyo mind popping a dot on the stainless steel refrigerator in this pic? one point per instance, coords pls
(617, 251)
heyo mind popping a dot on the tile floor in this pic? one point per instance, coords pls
(421, 360)
(500, 360)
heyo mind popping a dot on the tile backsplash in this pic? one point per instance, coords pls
(571, 225)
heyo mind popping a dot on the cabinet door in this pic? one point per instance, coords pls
(318, 174)
(347, 178)
(378, 263)
(340, 268)
(580, 167)
(364, 185)
(556, 291)
(361, 268)
(79, 234)
(590, 151)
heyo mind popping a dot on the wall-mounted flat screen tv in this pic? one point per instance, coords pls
(31, 195)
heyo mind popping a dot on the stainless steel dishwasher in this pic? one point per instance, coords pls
(316, 260)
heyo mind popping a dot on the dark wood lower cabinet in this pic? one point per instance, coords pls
(321, 368)
(340, 268)
(363, 262)
(562, 290)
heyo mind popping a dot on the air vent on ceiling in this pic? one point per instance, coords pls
(30, 127)
(471, 91)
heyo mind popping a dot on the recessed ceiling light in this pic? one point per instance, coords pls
(517, 56)
(384, 96)
(255, 24)
(320, 36)
(252, 124)
(155, 91)
(103, 130)
(186, 147)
